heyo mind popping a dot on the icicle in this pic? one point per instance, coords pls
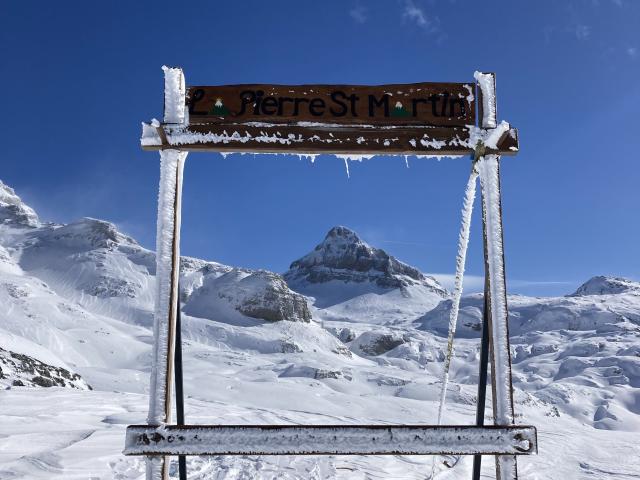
(406, 160)
(463, 242)
(346, 165)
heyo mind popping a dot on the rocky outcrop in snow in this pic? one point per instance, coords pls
(269, 298)
(14, 211)
(20, 370)
(343, 256)
(376, 343)
(256, 294)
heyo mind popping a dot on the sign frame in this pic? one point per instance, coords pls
(177, 135)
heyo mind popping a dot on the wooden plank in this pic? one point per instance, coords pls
(435, 104)
(326, 139)
(329, 440)
(168, 238)
(500, 351)
(484, 351)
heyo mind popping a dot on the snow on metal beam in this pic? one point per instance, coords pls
(330, 440)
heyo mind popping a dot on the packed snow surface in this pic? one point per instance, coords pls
(80, 297)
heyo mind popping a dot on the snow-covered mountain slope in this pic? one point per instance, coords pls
(367, 347)
(351, 281)
(602, 285)
(579, 353)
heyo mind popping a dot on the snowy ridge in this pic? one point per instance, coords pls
(602, 285)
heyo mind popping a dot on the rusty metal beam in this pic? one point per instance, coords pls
(330, 440)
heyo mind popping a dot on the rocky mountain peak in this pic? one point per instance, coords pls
(604, 285)
(341, 234)
(343, 255)
(13, 210)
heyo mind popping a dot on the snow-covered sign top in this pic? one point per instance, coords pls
(408, 119)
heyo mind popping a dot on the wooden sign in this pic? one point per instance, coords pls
(435, 104)
(407, 119)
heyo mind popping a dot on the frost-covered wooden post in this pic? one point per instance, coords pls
(167, 268)
(488, 167)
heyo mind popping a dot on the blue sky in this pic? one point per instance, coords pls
(77, 78)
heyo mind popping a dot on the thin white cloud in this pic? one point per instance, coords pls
(415, 14)
(398, 242)
(632, 52)
(582, 31)
(358, 14)
(475, 283)
(471, 284)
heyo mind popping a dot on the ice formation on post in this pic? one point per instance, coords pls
(463, 243)
(155, 467)
(487, 84)
(166, 298)
(174, 95)
(167, 247)
(501, 355)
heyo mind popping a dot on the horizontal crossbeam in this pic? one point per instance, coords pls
(330, 440)
(322, 139)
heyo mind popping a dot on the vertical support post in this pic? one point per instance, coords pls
(500, 349)
(503, 411)
(167, 271)
(182, 460)
(484, 358)
(486, 87)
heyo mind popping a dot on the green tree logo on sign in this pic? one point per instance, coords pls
(219, 109)
(399, 111)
